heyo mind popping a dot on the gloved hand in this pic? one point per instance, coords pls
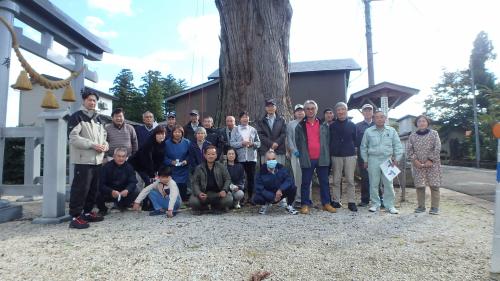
(296, 153)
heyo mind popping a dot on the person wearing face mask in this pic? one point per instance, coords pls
(423, 149)
(272, 184)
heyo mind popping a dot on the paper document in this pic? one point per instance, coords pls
(390, 171)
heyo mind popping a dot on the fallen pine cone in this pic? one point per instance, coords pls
(260, 275)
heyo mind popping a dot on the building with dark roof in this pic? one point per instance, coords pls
(324, 81)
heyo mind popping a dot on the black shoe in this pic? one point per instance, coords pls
(78, 223)
(363, 204)
(352, 207)
(92, 217)
(336, 205)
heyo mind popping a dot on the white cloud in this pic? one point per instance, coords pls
(93, 24)
(113, 7)
(159, 60)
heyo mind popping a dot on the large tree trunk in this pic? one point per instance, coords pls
(253, 60)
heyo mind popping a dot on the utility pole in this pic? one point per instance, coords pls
(369, 48)
(476, 125)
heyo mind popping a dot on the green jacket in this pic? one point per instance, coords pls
(199, 181)
(301, 144)
(383, 143)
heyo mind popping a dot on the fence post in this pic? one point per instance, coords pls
(32, 161)
(54, 171)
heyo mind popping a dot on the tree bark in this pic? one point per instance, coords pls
(253, 63)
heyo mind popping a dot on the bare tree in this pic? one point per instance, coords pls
(253, 61)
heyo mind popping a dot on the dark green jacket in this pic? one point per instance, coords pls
(222, 178)
(301, 143)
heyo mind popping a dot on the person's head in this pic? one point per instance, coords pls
(379, 117)
(208, 122)
(244, 118)
(194, 116)
(298, 112)
(230, 122)
(328, 115)
(148, 118)
(118, 117)
(341, 111)
(210, 154)
(422, 122)
(271, 161)
(89, 100)
(171, 119)
(231, 155)
(160, 133)
(165, 174)
(367, 111)
(177, 133)
(120, 155)
(310, 108)
(201, 134)
(270, 106)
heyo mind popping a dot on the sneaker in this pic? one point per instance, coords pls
(363, 204)
(92, 217)
(393, 211)
(283, 204)
(352, 207)
(237, 205)
(157, 212)
(373, 208)
(420, 210)
(78, 223)
(336, 205)
(291, 210)
(263, 209)
(297, 204)
(434, 211)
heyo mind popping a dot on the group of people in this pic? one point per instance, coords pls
(161, 167)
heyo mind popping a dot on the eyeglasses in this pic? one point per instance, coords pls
(310, 108)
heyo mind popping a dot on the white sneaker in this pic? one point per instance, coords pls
(237, 205)
(291, 210)
(263, 209)
(393, 211)
(373, 208)
(283, 203)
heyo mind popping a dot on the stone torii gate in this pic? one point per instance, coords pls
(54, 25)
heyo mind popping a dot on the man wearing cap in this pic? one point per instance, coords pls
(343, 153)
(272, 133)
(367, 111)
(171, 122)
(194, 123)
(292, 149)
(87, 140)
(144, 131)
(329, 116)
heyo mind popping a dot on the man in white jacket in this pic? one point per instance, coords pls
(87, 139)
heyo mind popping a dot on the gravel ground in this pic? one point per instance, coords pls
(455, 245)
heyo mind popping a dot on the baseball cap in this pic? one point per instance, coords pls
(171, 114)
(367, 106)
(298, 106)
(194, 112)
(270, 102)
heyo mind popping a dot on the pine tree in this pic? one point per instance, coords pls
(128, 96)
(153, 91)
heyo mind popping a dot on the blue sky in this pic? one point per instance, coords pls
(414, 40)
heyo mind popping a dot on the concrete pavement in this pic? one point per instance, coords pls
(480, 183)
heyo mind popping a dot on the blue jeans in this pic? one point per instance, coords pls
(307, 174)
(160, 202)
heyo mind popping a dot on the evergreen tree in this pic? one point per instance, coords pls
(153, 91)
(128, 96)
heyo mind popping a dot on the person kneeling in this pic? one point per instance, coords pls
(273, 183)
(163, 193)
(118, 183)
(210, 184)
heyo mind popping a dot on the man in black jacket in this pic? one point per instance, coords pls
(272, 133)
(194, 123)
(118, 182)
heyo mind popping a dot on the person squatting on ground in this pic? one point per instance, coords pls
(343, 153)
(245, 139)
(210, 183)
(87, 141)
(312, 138)
(379, 144)
(272, 184)
(237, 173)
(118, 183)
(163, 193)
(423, 149)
